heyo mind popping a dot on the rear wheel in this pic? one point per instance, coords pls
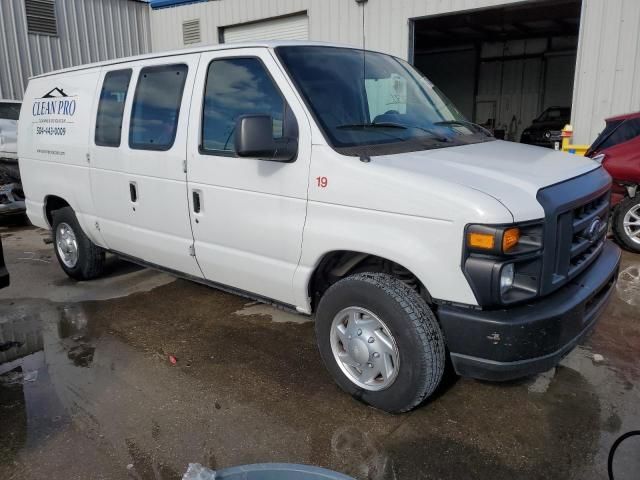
(77, 255)
(380, 341)
(626, 223)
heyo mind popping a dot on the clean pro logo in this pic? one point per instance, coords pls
(53, 115)
(54, 102)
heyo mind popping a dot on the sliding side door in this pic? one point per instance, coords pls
(139, 158)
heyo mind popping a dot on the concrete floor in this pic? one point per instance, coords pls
(94, 395)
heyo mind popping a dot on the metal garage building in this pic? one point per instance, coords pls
(501, 61)
(38, 36)
(504, 60)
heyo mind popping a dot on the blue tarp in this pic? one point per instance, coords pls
(171, 3)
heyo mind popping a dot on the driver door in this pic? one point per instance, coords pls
(247, 214)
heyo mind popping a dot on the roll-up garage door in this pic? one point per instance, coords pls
(294, 27)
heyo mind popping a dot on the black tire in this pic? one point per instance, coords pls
(90, 263)
(618, 223)
(413, 325)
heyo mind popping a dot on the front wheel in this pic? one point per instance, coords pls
(380, 341)
(626, 223)
(77, 255)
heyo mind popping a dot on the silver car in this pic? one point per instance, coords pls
(11, 195)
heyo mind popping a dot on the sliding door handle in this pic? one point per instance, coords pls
(133, 192)
(197, 203)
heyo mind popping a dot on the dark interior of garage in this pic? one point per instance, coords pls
(502, 67)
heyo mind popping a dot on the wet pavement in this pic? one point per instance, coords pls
(91, 392)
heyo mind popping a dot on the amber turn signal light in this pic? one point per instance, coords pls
(485, 241)
(510, 239)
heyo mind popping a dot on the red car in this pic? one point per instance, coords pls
(618, 149)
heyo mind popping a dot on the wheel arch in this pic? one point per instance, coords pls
(52, 203)
(338, 264)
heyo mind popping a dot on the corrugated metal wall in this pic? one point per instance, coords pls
(607, 78)
(608, 67)
(88, 31)
(386, 21)
(291, 27)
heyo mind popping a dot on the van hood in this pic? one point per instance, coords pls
(512, 173)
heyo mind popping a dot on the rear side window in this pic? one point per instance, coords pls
(156, 107)
(629, 130)
(235, 87)
(111, 108)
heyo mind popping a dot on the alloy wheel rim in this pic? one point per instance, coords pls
(67, 245)
(364, 348)
(631, 223)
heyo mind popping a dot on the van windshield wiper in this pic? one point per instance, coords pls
(465, 123)
(363, 126)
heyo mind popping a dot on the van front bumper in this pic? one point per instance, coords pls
(530, 338)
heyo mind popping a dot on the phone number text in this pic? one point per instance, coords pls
(57, 131)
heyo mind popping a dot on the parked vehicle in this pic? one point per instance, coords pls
(333, 182)
(546, 130)
(617, 148)
(4, 273)
(11, 195)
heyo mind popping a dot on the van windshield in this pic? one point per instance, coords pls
(369, 103)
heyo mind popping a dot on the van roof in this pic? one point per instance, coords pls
(186, 51)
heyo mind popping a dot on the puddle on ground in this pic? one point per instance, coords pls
(628, 286)
(89, 391)
(276, 315)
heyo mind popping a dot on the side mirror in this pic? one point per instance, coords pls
(254, 139)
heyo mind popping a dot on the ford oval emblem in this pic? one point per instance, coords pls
(593, 230)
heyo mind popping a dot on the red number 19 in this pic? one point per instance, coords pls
(322, 182)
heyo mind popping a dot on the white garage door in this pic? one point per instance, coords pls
(295, 27)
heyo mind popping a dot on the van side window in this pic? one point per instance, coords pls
(156, 107)
(235, 87)
(111, 108)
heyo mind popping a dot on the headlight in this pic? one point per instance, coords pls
(503, 263)
(506, 278)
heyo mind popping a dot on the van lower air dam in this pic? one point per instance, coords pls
(239, 167)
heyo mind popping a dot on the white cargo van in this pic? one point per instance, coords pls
(334, 182)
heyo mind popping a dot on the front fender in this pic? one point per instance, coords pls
(429, 248)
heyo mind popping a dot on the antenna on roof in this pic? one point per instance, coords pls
(362, 2)
(364, 60)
